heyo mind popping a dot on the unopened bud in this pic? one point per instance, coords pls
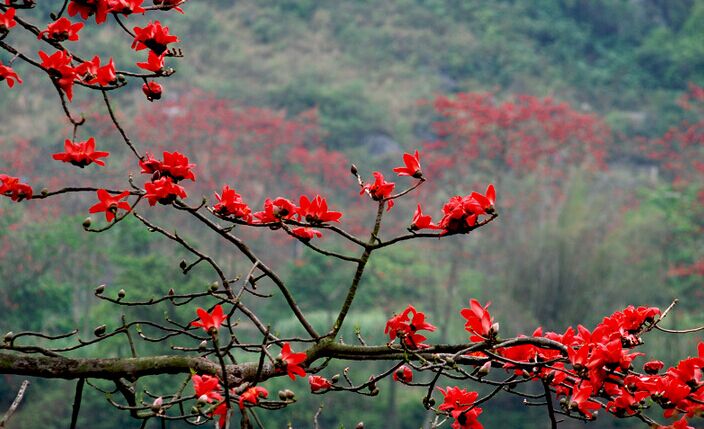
(44, 191)
(8, 337)
(203, 399)
(86, 222)
(429, 402)
(494, 331)
(360, 425)
(484, 369)
(289, 394)
(182, 264)
(99, 331)
(195, 409)
(121, 77)
(202, 346)
(121, 294)
(335, 378)
(353, 169)
(172, 292)
(214, 286)
(282, 395)
(374, 392)
(100, 289)
(156, 405)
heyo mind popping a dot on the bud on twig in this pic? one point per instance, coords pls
(282, 395)
(8, 337)
(183, 264)
(289, 394)
(172, 292)
(214, 286)
(100, 289)
(353, 169)
(86, 222)
(360, 425)
(202, 346)
(99, 331)
(121, 294)
(484, 369)
(156, 405)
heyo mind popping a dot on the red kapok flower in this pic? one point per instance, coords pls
(653, 367)
(251, 396)
(412, 167)
(126, 7)
(275, 210)
(221, 411)
(460, 214)
(109, 204)
(291, 362)
(175, 166)
(87, 8)
(580, 400)
(306, 234)
(152, 90)
(403, 374)
(479, 321)
(58, 65)
(318, 383)
(315, 211)
(9, 75)
(486, 201)
(81, 154)
(7, 20)
(155, 63)
(163, 191)
(210, 322)
(230, 203)
(61, 30)
(12, 188)
(380, 189)
(153, 36)
(421, 221)
(206, 387)
(92, 73)
(400, 326)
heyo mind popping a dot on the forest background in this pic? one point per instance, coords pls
(587, 115)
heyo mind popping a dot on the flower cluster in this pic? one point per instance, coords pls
(230, 203)
(165, 174)
(13, 188)
(407, 329)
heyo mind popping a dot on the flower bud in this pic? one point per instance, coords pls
(214, 286)
(202, 346)
(282, 395)
(494, 331)
(335, 378)
(44, 191)
(360, 425)
(100, 289)
(86, 222)
(202, 399)
(289, 394)
(121, 294)
(172, 292)
(484, 369)
(429, 402)
(99, 331)
(156, 405)
(374, 392)
(353, 169)
(8, 337)
(183, 264)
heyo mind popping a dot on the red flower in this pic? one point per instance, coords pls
(222, 412)
(306, 234)
(207, 388)
(421, 221)
(580, 400)
(231, 204)
(380, 189)
(316, 211)
(403, 374)
(291, 362)
(460, 214)
(479, 321)
(318, 383)
(109, 204)
(456, 399)
(251, 396)
(126, 7)
(58, 65)
(152, 90)
(653, 367)
(7, 20)
(92, 73)
(400, 326)
(175, 166)
(486, 201)
(61, 30)
(274, 211)
(210, 322)
(6, 73)
(163, 191)
(679, 424)
(81, 154)
(155, 63)
(412, 167)
(87, 8)
(153, 36)
(168, 4)
(11, 187)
